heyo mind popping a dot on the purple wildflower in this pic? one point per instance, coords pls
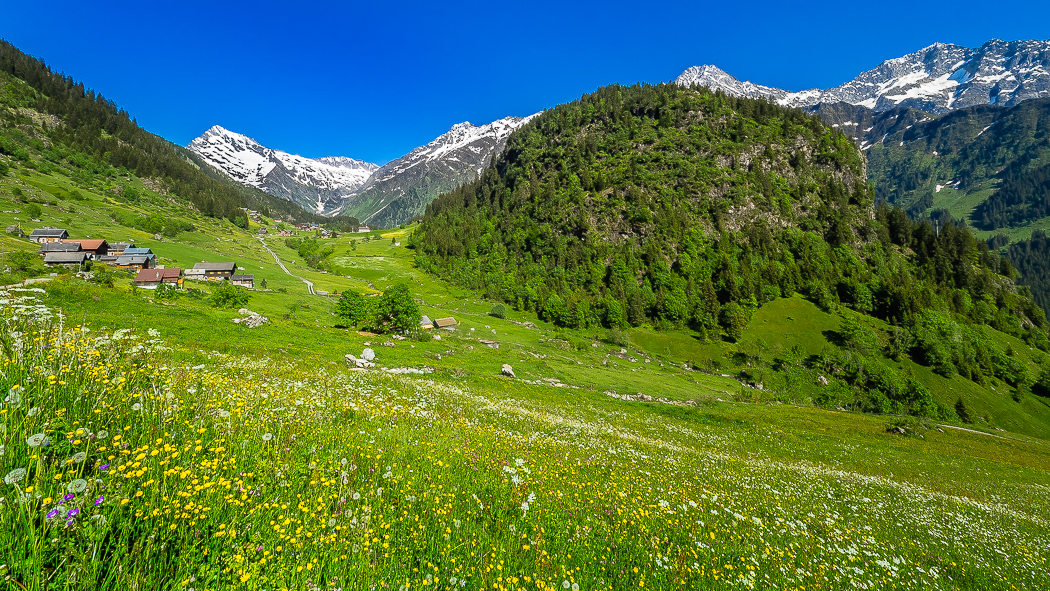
(99, 500)
(52, 513)
(73, 512)
(70, 497)
(103, 466)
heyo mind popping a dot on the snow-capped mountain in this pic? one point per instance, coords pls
(403, 188)
(321, 185)
(937, 79)
(332, 185)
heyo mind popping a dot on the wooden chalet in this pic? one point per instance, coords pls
(47, 247)
(66, 259)
(42, 235)
(135, 261)
(142, 252)
(243, 280)
(95, 249)
(154, 278)
(117, 249)
(205, 271)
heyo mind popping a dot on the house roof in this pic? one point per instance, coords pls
(231, 267)
(129, 259)
(59, 247)
(137, 250)
(445, 322)
(242, 278)
(121, 245)
(49, 233)
(89, 244)
(157, 275)
(65, 257)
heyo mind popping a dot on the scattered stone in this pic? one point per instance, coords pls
(368, 355)
(508, 371)
(437, 337)
(355, 363)
(823, 380)
(489, 344)
(840, 409)
(493, 330)
(251, 319)
(388, 343)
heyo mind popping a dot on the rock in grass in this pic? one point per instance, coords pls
(508, 371)
(368, 355)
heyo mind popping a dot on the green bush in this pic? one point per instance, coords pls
(498, 311)
(228, 295)
(352, 308)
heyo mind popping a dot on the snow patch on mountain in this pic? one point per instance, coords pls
(937, 79)
(320, 184)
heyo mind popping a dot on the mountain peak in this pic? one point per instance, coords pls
(937, 79)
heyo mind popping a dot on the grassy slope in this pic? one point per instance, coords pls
(578, 358)
(734, 450)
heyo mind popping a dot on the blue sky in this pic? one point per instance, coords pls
(372, 81)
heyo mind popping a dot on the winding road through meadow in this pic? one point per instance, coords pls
(309, 284)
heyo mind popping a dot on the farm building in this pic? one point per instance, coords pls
(153, 278)
(95, 249)
(47, 247)
(448, 323)
(67, 259)
(116, 249)
(41, 235)
(135, 261)
(205, 271)
(243, 280)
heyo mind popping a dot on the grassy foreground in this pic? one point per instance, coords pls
(125, 468)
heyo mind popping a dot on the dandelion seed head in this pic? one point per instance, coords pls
(15, 476)
(37, 440)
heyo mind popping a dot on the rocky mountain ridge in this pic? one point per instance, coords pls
(387, 195)
(318, 185)
(936, 79)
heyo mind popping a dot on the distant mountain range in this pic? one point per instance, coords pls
(385, 196)
(937, 79)
(321, 185)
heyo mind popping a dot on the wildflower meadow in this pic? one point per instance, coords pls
(125, 468)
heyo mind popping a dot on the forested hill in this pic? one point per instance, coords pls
(679, 207)
(52, 120)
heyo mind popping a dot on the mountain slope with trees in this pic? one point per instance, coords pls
(672, 207)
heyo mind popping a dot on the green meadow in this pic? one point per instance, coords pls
(153, 442)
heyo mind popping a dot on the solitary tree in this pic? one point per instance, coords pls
(397, 309)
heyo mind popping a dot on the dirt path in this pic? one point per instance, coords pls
(309, 284)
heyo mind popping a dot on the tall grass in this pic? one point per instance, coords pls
(125, 470)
